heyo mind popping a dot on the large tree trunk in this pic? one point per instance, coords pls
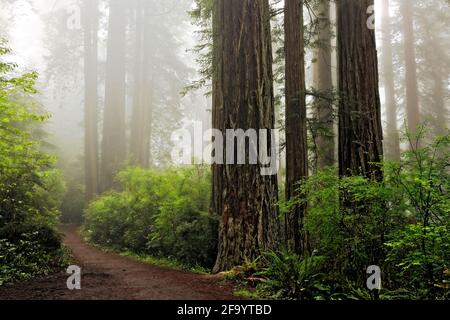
(393, 137)
(90, 21)
(217, 106)
(360, 130)
(412, 93)
(296, 130)
(140, 124)
(323, 83)
(245, 93)
(113, 144)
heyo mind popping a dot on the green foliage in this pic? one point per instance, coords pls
(288, 276)
(348, 220)
(359, 293)
(401, 224)
(73, 204)
(74, 200)
(201, 16)
(420, 250)
(30, 189)
(37, 252)
(159, 213)
(421, 255)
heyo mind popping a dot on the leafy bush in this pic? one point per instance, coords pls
(401, 224)
(73, 204)
(30, 254)
(420, 250)
(30, 187)
(159, 213)
(421, 255)
(349, 220)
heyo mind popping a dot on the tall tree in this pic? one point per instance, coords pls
(113, 144)
(323, 84)
(296, 129)
(360, 129)
(90, 20)
(393, 138)
(140, 124)
(245, 83)
(412, 92)
(217, 105)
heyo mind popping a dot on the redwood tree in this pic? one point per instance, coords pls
(393, 145)
(296, 130)
(360, 129)
(90, 26)
(412, 92)
(244, 93)
(323, 84)
(113, 143)
(217, 105)
(141, 121)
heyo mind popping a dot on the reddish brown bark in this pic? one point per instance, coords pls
(244, 93)
(360, 130)
(296, 130)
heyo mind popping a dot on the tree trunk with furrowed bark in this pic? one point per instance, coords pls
(296, 130)
(217, 108)
(360, 129)
(244, 94)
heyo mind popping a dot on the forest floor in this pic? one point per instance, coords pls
(108, 276)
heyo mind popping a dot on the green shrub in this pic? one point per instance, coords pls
(184, 233)
(420, 250)
(401, 224)
(73, 204)
(349, 220)
(30, 188)
(288, 276)
(159, 213)
(26, 255)
(422, 255)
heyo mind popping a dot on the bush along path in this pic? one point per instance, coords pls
(112, 277)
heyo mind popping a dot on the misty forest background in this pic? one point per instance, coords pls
(91, 91)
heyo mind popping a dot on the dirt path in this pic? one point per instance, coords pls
(109, 276)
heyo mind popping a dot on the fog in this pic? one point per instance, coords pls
(297, 149)
(47, 36)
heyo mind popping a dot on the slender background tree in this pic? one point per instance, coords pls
(392, 133)
(114, 143)
(91, 153)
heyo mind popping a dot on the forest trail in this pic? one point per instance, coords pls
(108, 276)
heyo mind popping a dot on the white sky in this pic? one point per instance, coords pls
(28, 31)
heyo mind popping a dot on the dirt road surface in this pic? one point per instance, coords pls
(107, 276)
